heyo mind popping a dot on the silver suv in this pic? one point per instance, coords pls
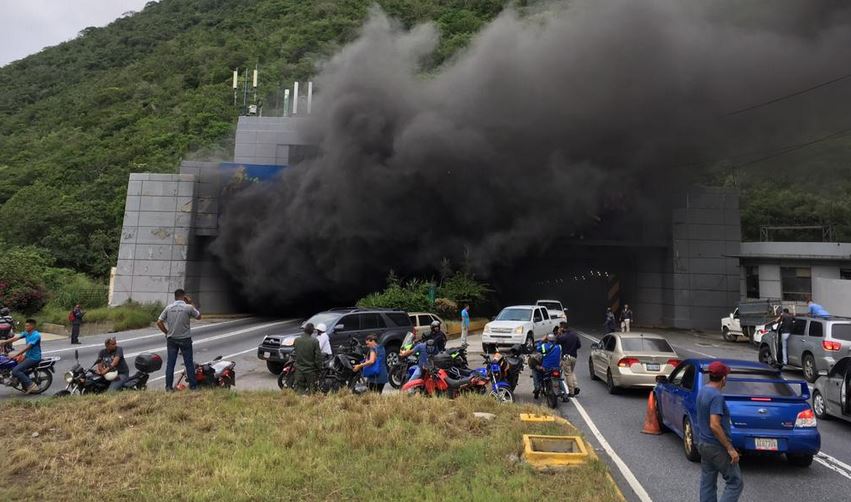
(814, 345)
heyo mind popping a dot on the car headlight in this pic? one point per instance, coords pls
(69, 376)
(487, 328)
(288, 342)
(518, 330)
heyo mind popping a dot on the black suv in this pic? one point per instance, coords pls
(390, 325)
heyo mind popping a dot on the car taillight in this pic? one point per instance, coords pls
(831, 345)
(806, 418)
(674, 362)
(627, 362)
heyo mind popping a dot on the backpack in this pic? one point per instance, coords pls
(71, 316)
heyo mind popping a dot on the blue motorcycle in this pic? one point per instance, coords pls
(41, 375)
(494, 372)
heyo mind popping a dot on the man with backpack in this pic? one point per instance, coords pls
(76, 318)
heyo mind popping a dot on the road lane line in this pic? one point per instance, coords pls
(834, 464)
(639, 490)
(199, 328)
(214, 338)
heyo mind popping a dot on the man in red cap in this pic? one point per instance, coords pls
(717, 454)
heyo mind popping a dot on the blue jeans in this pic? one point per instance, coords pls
(118, 382)
(715, 460)
(20, 372)
(185, 347)
(418, 373)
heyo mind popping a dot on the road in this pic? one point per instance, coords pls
(651, 465)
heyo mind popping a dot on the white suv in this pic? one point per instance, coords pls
(518, 324)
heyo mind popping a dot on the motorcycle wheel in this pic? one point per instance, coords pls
(397, 376)
(552, 399)
(42, 378)
(503, 395)
(285, 380)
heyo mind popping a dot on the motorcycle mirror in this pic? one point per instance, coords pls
(218, 358)
(77, 355)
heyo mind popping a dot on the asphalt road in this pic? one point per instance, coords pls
(651, 465)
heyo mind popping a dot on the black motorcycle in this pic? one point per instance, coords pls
(88, 381)
(339, 372)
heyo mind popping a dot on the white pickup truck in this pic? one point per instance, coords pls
(518, 324)
(555, 309)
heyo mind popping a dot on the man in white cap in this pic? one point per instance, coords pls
(322, 337)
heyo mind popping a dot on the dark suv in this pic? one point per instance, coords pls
(390, 325)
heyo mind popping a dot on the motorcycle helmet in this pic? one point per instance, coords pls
(551, 337)
(111, 375)
(435, 324)
(321, 327)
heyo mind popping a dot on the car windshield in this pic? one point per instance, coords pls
(645, 345)
(514, 315)
(550, 305)
(770, 387)
(327, 318)
(841, 331)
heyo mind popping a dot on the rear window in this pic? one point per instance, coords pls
(841, 332)
(399, 318)
(514, 315)
(550, 305)
(769, 387)
(645, 345)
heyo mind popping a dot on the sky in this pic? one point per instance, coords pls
(27, 26)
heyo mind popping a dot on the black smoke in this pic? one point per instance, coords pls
(548, 120)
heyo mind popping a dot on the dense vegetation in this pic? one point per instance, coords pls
(153, 87)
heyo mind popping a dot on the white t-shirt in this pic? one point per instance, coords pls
(324, 343)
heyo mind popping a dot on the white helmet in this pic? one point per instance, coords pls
(111, 375)
(435, 324)
(321, 327)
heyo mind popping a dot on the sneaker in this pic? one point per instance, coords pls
(33, 388)
(575, 391)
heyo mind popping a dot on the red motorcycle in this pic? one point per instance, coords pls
(437, 382)
(212, 374)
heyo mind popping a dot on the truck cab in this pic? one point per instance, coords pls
(518, 324)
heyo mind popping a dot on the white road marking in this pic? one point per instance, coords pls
(199, 328)
(639, 490)
(595, 340)
(214, 338)
(834, 464)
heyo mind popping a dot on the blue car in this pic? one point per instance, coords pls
(770, 415)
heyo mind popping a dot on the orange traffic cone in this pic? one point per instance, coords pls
(651, 420)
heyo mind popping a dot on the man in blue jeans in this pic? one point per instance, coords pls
(717, 454)
(33, 355)
(174, 323)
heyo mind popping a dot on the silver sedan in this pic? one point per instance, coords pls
(830, 392)
(631, 360)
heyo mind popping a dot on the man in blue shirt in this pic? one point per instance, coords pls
(33, 355)
(717, 454)
(551, 360)
(465, 323)
(816, 310)
(422, 350)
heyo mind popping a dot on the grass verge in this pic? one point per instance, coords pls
(124, 317)
(274, 446)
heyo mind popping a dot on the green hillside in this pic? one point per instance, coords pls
(153, 87)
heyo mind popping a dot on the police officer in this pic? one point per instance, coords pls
(308, 360)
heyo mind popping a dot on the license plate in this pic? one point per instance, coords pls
(267, 355)
(653, 367)
(766, 444)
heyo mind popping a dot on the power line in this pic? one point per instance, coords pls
(792, 148)
(787, 96)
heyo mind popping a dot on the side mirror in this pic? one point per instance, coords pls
(339, 327)
(493, 318)
(661, 379)
(595, 346)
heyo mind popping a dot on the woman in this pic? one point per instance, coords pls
(374, 367)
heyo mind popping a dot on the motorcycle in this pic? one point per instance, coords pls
(551, 386)
(339, 372)
(88, 381)
(496, 369)
(217, 373)
(41, 375)
(285, 378)
(436, 381)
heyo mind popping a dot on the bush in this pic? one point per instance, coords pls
(21, 279)
(463, 288)
(458, 288)
(68, 288)
(131, 315)
(411, 296)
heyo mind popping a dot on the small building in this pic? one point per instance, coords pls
(796, 271)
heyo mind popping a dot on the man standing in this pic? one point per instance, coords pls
(174, 323)
(112, 359)
(609, 325)
(308, 361)
(465, 324)
(785, 321)
(33, 355)
(570, 345)
(717, 454)
(322, 338)
(626, 318)
(76, 318)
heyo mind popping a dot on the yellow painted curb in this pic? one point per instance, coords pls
(533, 418)
(539, 451)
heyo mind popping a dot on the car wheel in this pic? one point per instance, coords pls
(800, 460)
(530, 343)
(591, 369)
(689, 445)
(725, 333)
(610, 383)
(274, 368)
(819, 406)
(391, 354)
(809, 367)
(765, 355)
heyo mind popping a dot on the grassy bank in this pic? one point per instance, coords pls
(268, 445)
(123, 317)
